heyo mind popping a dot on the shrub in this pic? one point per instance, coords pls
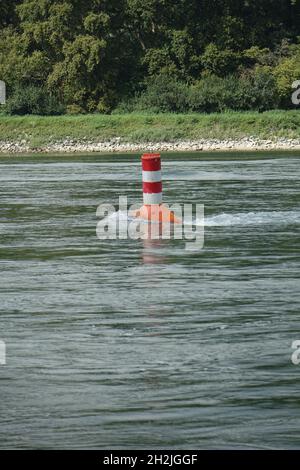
(74, 109)
(259, 90)
(164, 94)
(254, 90)
(218, 61)
(209, 95)
(286, 72)
(32, 99)
(256, 55)
(127, 105)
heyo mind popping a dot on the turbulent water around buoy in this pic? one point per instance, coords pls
(223, 219)
(141, 343)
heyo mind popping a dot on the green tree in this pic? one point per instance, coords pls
(68, 46)
(92, 53)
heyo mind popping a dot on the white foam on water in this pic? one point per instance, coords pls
(226, 219)
(121, 218)
(252, 218)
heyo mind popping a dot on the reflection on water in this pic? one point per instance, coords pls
(153, 243)
(142, 344)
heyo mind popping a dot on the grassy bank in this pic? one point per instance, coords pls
(39, 131)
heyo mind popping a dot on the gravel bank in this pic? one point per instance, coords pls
(118, 146)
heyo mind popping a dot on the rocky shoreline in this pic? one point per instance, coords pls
(116, 145)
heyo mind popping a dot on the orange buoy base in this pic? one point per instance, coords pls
(156, 213)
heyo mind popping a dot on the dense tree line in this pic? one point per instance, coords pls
(160, 55)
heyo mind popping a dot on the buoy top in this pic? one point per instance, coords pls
(151, 162)
(150, 156)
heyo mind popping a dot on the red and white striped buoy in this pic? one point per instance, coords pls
(153, 210)
(152, 185)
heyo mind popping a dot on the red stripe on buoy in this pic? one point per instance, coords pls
(152, 187)
(151, 162)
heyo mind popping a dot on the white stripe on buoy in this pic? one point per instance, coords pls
(152, 198)
(152, 176)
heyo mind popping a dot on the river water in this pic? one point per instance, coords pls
(110, 345)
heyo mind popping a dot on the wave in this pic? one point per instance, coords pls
(252, 218)
(228, 219)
